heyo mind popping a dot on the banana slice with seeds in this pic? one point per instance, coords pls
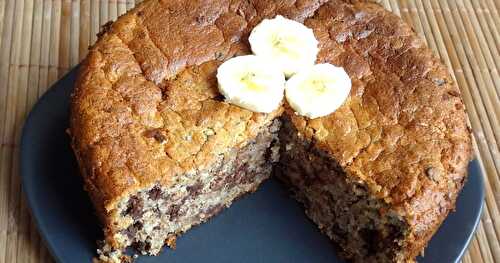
(287, 43)
(252, 83)
(318, 91)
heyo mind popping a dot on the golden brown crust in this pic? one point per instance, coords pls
(146, 107)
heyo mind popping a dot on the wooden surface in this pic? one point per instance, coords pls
(40, 40)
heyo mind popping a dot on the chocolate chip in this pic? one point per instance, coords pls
(240, 172)
(194, 189)
(142, 246)
(372, 240)
(219, 97)
(157, 211)
(134, 207)
(132, 230)
(454, 93)
(219, 55)
(157, 134)
(200, 19)
(155, 193)
(217, 183)
(173, 211)
(245, 175)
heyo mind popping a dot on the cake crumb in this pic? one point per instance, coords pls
(106, 254)
(171, 242)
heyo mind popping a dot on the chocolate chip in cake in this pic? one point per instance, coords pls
(219, 97)
(372, 240)
(173, 211)
(155, 193)
(157, 134)
(219, 55)
(195, 189)
(200, 19)
(454, 93)
(238, 174)
(142, 246)
(217, 183)
(157, 211)
(131, 231)
(134, 207)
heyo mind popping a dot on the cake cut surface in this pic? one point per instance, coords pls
(160, 151)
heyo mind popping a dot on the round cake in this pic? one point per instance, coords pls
(161, 151)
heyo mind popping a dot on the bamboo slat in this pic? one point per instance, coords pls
(113, 10)
(488, 62)
(64, 43)
(474, 7)
(40, 40)
(94, 18)
(33, 244)
(103, 12)
(40, 78)
(74, 44)
(45, 47)
(2, 16)
(85, 26)
(54, 42)
(493, 14)
(23, 216)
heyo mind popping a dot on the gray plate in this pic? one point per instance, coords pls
(267, 226)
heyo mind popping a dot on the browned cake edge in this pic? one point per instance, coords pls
(427, 205)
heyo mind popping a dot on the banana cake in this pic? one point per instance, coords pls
(161, 151)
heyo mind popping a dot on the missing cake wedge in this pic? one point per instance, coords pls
(342, 207)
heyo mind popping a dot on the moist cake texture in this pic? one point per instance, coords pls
(159, 213)
(160, 151)
(342, 207)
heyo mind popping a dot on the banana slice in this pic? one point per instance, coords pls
(252, 83)
(318, 91)
(287, 43)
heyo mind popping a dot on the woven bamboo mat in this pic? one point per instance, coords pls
(40, 40)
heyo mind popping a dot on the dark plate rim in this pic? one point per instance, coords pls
(34, 210)
(478, 219)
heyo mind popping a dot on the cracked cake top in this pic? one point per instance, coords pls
(146, 105)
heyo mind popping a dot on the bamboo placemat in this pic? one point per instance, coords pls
(40, 40)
